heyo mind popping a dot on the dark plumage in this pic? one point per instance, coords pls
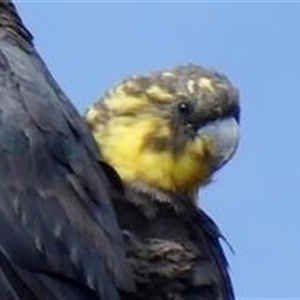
(166, 133)
(174, 249)
(59, 238)
(70, 228)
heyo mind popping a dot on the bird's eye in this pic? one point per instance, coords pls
(184, 108)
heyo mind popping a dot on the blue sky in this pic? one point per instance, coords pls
(255, 199)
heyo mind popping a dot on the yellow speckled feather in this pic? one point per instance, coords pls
(135, 129)
(122, 144)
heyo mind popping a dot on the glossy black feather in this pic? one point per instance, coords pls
(59, 238)
(213, 237)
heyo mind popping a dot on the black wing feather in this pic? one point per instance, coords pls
(213, 235)
(58, 229)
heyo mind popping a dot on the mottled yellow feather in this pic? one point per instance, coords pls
(160, 95)
(135, 127)
(121, 141)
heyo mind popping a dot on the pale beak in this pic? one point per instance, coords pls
(223, 136)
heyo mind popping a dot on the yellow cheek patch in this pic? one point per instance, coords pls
(191, 168)
(189, 173)
(122, 144)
